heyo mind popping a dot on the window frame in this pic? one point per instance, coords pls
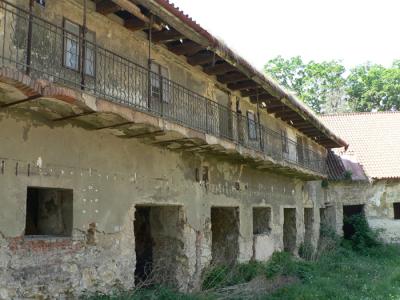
(32, 214)
(253, 136)
(284, 141)
(161, 81)
(396, 210)
(79, 55)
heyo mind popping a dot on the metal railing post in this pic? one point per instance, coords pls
(83, 45)
(161, 96)
(206, 102)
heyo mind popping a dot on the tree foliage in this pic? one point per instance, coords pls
(328, 87)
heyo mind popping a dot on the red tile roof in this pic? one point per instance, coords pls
(374, 140)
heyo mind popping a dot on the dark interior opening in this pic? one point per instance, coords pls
(143, 243)
(225, 235)
(261, 220)
(348, 212)
(396, 210)
(308, 225)
(48, 212)
(159, 244)
(289, 229)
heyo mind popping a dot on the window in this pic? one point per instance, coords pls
(72, 51)
(396, 210)
(284, 139)
(48, 212)
(159, 82)
(251, 119)
(300, 149)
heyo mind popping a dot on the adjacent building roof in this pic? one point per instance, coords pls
(374, 142)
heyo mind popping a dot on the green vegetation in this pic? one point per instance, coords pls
(358, 268)
(328, 87)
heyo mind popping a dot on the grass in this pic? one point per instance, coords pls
(347, 274)
(341, 274)
(360, 268)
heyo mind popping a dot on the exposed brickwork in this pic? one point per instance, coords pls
(21, 244)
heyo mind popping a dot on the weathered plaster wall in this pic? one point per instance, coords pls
(378, 198)
(109, 176)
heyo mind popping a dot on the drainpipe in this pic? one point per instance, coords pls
(149, 64)
(259, 122)
(29, 41)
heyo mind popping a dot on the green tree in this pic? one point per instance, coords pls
(327, 86)
(320, 85)
(372, 87)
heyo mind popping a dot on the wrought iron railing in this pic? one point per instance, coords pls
(47, 51)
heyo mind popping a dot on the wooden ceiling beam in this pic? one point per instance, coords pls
(231, 77)
(242, 85)
(303, 126)
(250, 92)
(312, 131)
(262, 97)
(202, 58)
(185, 48)
(277, 108)
(286, 116)
(106, 7)
(165, 36)
(219, 69)
(135, 24)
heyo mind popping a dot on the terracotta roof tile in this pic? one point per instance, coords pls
(374, 140)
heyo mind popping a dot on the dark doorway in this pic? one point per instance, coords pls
(159, 244)
(396, 210)
(143, 243)
(348, 212)
(289, 229)
(225, 234)
(261, 220)
(308, 225)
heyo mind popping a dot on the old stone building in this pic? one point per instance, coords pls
(366, 177)
(133, 143)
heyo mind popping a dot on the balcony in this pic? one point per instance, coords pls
(40, 71)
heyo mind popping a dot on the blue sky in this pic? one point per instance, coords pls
(353, 31)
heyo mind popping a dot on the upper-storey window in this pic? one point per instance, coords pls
(72, 48)
(285, 141)
(160, 85)
(300, 149)
(252, 128)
